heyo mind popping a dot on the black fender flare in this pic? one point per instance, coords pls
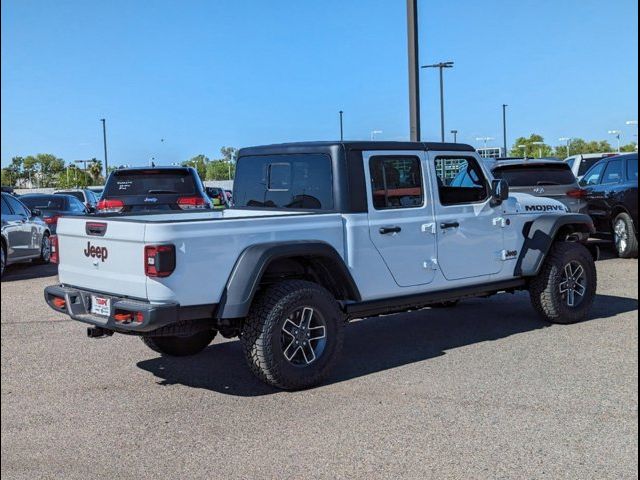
(254, 261)
(541, 235)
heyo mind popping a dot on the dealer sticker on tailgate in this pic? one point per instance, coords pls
(100, 306)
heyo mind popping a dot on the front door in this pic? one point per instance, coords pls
(401, 224)
(469, 228)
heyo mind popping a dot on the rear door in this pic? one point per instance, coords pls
(106, 254)
(18, 228)
(469, 229)
(401, 223)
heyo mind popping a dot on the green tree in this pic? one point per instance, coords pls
(73, 177)
(629, 148)
(579, 146)
(95, 172)
(531, 147)
(44, 168)
(220, 170)
(199, 162)
(229, 154)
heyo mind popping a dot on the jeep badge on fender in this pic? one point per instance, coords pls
(96, 252)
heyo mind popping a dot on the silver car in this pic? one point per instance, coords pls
(25, 236)
(542, 178)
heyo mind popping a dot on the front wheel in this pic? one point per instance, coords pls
(293, 334)
(565, 287)
(45, 250)
(624, 236)
(180, 346)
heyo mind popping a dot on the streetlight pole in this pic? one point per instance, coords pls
(414, 71)
(104, 141)
(374, 133)
(540, 144)
(341, 127)
(524, 151)
(441, 66)
(504, 128)
(633, 123)
(568, 140)
(455, 136)
(617, 134)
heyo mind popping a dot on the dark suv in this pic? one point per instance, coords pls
(153, 189)
(611, 190)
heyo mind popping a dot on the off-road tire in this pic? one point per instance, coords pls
(45, 255)
(262, 339)
(544, 289)
(630, 249)
(180, 346)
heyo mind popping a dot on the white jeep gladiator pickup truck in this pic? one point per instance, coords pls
(322, 232)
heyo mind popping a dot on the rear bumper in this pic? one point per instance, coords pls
(152, 316)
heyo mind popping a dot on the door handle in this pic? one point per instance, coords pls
(387, 230)
(446, 225)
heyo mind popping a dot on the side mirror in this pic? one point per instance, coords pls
(91, 209)
(36, 212)
(499, 191)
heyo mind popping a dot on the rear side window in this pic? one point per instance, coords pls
(632, 169)
(44, 203)
(586, 164)
(614, 172)
(298, 181)
(396, 182)
(531, 175)
(592, 177)
(154, 182)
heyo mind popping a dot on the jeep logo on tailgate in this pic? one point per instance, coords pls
(96, 252)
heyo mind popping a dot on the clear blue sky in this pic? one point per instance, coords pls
(203, 74)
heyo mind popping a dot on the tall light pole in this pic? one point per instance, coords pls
(104, 141)
(568, 140)
(633, 123)
(414, 71)
(341, 127)
(504, 128)
(455, 136)
(618, 135)
(540, 144)
(374, 133)
(524, 150)
(441, 66)
(485, 140)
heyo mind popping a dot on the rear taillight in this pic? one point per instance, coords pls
(55, 253)
(53, 220)
(159, 260)
(110, 206)
(190, 203)
(577, 193)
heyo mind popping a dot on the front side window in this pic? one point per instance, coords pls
(5, 207)
(460, 180)
(17, 207)
(396, 182)
(297, 181)
(614, 172)
(592, 177)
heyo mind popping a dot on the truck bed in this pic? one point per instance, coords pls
(207, 246)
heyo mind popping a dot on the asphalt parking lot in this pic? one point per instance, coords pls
(484, 390)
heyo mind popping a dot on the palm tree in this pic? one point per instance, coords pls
(95, 171)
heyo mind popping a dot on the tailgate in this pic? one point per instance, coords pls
(103, 255)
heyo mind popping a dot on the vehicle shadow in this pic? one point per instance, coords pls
(28, 271)
(377, 344)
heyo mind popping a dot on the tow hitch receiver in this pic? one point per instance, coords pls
(98, 332)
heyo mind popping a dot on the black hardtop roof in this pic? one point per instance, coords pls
(321, 146)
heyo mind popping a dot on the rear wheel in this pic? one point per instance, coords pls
(565, 288)
(180, 346)
(624, 236)
(293, 335)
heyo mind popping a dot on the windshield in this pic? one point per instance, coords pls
(143, 182)
(531, 175)
(48, 202)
